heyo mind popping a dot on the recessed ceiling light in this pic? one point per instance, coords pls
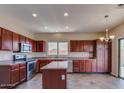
(45, 27)
(56, 30)
(66, 27)
(34, 15)
(65, 14)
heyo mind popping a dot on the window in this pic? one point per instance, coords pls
(52, 48)
(58, 48)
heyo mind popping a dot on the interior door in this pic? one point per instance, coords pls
(121, 58)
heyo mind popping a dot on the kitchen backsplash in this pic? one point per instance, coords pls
(4, 55)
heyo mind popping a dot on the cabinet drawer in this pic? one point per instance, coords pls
(22, 65)
(14, 66)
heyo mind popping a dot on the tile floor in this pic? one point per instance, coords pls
(79, 81)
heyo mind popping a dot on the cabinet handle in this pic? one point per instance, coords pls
(62, 77)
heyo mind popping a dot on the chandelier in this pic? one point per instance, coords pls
(107, 37)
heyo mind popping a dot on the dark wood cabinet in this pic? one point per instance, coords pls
(54, 79)
(16, 40)
(6, 40)
(28, 40)
(22, 39)
(41, 46)
(40, 64)
(76, 66)
(22, 72)
(82, 45)
(103, 56)
(84, 65)
(33, 46)
(94, 65)
(88, 66)
(15, 75)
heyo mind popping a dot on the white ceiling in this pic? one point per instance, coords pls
(82, 17)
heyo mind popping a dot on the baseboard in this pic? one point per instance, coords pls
(112, 74)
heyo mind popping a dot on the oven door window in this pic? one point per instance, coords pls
(31, 66)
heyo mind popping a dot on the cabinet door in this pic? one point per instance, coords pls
(40, 46)
(72, 46)
(22, 72)
(82, 65)
(22, 39)
(86, 46)
(15, 76)
(15, 42)
(107, 54)
(88, 66)
(91, 46)
(6, 40)
(33, 46)
(76, 66)
(54, 79)
(94, 65)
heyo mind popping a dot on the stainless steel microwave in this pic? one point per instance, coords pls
(25, 47)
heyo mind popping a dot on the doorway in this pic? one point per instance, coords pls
(121, 58)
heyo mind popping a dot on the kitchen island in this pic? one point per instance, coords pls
(54, 75)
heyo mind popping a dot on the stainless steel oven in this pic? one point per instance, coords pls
(31, 69)
(30, 64)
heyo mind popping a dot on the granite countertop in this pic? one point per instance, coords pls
(63, 58)
(10, 62)
(56, 65)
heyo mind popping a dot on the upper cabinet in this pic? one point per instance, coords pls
(16, 42)
(22, 39)
(82, 45)
(41, 46)
(33, 46)
(28, 41)
(6, 40)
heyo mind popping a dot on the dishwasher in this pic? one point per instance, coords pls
(70, 66)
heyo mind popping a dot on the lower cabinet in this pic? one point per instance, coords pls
(84, 65)
(22, 72)
(13, 75)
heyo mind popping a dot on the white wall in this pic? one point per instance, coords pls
(68, 36)
(119, 33)
(14, 26)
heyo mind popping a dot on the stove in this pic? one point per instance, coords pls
(30, 64)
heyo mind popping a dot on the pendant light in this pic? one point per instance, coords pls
(107, 37)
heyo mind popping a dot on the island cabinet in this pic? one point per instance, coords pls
(54, 75)
(5, 40)
(103, 56)
(41, 63)
(84, 65)
(16, 39)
